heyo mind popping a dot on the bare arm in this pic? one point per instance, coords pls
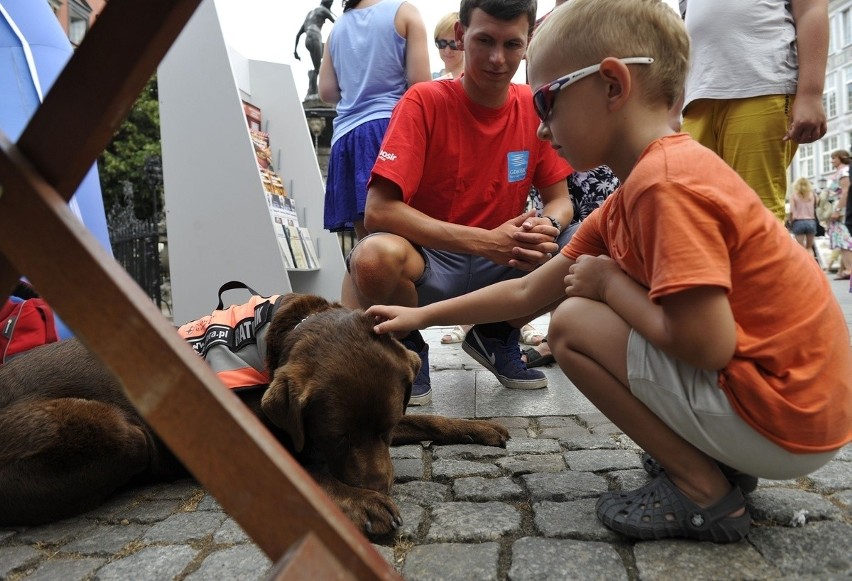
(329, 90)
(410, 26)
(511, 299)
(695, 325)
(808, 122)
(296, 47)
(387, 212)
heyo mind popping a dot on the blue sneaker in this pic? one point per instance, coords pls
(421, 390)
(503, 360)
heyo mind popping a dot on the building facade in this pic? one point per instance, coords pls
(813, 160)
(76, 16)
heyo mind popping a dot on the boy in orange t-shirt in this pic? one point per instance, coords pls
(686, 313)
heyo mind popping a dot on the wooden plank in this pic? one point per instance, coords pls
(256, 481)
(309, 559)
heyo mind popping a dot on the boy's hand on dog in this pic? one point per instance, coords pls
(395, 319)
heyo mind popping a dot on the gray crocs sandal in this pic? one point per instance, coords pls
(746, 482)
(659, 510)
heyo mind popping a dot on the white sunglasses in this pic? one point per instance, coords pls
(543, 98)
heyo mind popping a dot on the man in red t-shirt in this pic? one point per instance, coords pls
(447, 194)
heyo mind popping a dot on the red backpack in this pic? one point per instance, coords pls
(24, 324)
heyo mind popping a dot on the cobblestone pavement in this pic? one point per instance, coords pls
(472, 512)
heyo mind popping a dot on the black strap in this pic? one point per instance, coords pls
(231, 285)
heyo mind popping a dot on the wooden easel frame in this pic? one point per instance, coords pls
(255, 480)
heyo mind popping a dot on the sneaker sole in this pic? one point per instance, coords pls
(424, 399)
(505, 381)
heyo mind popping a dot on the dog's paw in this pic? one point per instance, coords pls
(486, 432)
(373, 512)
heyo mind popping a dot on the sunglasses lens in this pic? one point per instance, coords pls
(442, 44)
(542, 102)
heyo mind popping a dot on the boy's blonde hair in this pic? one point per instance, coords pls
(445, 25)
(584, 32)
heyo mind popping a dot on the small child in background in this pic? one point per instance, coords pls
(682, 303)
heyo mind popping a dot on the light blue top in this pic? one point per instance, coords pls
(369, 61)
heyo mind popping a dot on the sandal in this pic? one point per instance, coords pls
(746, 482)
(535, 359)
(659, 510)
(456, 335)
(530, 335)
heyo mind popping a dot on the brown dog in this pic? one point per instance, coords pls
(69, 437)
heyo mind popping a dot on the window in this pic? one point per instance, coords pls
(829, 144)
(829, 95)
(846, 27)
(847, 92)
(79, 13)
(55, 5)
(806, 160)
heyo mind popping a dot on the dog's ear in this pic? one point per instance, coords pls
(284, 407)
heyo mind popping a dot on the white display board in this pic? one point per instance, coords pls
(219, 225)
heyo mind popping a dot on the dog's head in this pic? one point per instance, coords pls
(339, 385)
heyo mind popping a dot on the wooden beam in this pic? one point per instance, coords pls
(221, 442)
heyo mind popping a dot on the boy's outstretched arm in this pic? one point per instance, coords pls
(503, 301)
(695, 325)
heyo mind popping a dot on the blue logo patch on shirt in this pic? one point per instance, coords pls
(518, 161)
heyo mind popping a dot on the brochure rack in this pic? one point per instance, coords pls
(218, 214)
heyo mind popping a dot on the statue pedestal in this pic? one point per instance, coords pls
(320, 116)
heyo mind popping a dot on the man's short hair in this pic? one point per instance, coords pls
(584, 32)
(445, 25)
(499, 9)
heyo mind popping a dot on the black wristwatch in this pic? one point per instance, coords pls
(555, 223)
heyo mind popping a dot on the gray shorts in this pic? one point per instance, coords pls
(690, 402)
(451, 274)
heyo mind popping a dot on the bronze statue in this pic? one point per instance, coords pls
(312, 29)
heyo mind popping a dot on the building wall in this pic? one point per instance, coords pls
(76, 16)
(813, 160)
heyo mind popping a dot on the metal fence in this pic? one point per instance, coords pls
(138, 247)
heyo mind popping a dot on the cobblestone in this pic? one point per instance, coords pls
(470, 512)
(502, 523)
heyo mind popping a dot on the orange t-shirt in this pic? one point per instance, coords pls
(684, 219)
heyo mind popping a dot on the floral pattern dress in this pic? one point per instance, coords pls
(588, 190)
(838, 234)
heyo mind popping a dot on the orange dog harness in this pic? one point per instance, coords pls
(233, 340)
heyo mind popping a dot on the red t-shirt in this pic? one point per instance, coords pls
(684, 219)
(463, 163)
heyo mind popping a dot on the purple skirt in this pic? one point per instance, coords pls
(349, 167)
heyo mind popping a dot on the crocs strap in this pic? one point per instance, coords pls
(700, 519)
